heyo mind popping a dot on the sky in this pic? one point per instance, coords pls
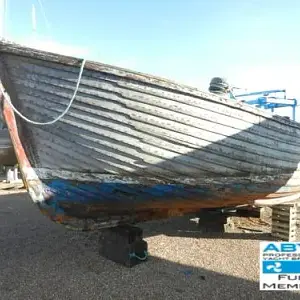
(254, 44)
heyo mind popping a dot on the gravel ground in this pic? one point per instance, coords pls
(43, 260)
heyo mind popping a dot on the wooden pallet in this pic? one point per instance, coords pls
(285, 219)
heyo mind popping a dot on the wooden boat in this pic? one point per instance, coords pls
(133, 147)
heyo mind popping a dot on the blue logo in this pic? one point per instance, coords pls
(281, 267)
(282, 247)
(273, 267)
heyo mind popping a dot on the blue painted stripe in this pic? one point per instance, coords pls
(117, 192)
(131, 194)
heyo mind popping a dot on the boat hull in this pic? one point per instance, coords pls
(133, 147)
(113, 200)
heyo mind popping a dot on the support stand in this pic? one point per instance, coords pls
(284, 221)
(123, 245)
(216, 220)
(211, 220)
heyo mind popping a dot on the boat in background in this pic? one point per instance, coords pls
(99, 146)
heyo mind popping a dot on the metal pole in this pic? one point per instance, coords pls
(2, 18)
(294, 113)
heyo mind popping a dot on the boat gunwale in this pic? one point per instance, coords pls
(13, 48)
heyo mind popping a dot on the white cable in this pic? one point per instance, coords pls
(60, 116)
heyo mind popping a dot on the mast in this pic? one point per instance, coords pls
(3, 6)
(33, 18)
(33, 22)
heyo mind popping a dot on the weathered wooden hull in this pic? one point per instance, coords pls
(134, 147)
